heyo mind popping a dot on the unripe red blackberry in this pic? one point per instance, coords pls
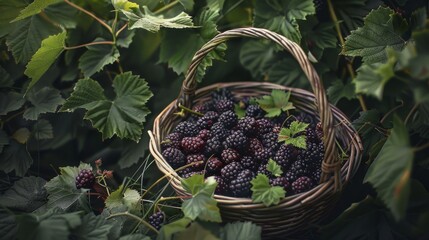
(85, 179)
(230, 155)
(214, 165)
(192, 144)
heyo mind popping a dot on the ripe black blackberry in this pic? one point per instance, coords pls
(187, 129)
(222, 94)
(231, 171)
(206, 121)
(230, 155)
(213, 146)
(224, 105)
(285, 156)
(315, 175)
(262, 169)
(300, 167)
(306, 118)
(281, 182)
(228, 119)
(249, 163)
(192, 158)
(192, 144)
(237, 140)
(85, 179)
(185, 172)
(174, 157)
(204, 134)
(254, 111)
(290, 176)
(172, 140)
(191, 173)
(157, 220)
(270, 140)
(222, 187)
(254, 145)
(240, 186)
(313, 153)
(262, 155)
(264, 126)
(214, 165)
(248, 126)
(220, 131)
(311, 136)
(302, 184)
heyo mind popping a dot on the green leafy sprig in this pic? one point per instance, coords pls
(276, 103)
(288, 135)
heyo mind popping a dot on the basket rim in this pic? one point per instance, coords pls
(292, 199)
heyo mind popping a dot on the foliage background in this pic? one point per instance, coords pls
(371, 55)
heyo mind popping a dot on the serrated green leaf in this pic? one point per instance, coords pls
(153, 23)
(287, 72)
(97, 56)
(21, 135)
(275, 103)
(240, 112)
(10, 101)
(167, 231)
(27, 194)
(352, 12)
(43, 130)
(124, 5)
(263, 192)
(92, 228)
(8, 225)
(298, 127)
(129, 198)
(391, 170)
(371, 78)
(124, 116)
(44, 100)
(274, 168)
(5, 79)
(383, 28)
(125, 38)
(338, 90)
(27, 36)
(195, 231)
(51, 48)
(132, 152)
(288, 135)
(257, 57)
(62, 188)
(241, 231)
(15, 157)
(34, 8)
(4, 140)
(10, 10)
(63, 14)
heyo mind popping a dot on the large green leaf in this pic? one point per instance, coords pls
(15, 157)
(97, 56)
(10, 101)
(282, 16)
(43, 130)
(27, 36)
(391, 170)
(168, 230)
(383, 28)
(34, 8)
(5, 78)
(129, 198)
(63, 14)
(241, 231)
(339, 90)
(352, 12)
(44, 100)
(27, 194)
(132, 152)
(124, 116)
(287, 72)
(8, 225)
(92, 228)
(257, 57)
(10, 9)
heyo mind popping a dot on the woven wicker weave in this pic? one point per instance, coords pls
(294, 213)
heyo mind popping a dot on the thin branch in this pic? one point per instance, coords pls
(411, 113)
(90, 14)
(166, 7)
(137, 218)
(90, 44)
(391, 111)
(422, 147)
(121, 29)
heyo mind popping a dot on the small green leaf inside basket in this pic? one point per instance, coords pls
(263, 192)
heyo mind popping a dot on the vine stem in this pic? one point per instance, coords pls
(411, 113)
(422, 147)
(90, 14)
(89, 44)
(121, 29)
(166, 7)
(137, 218)
(166, 199)
(340, 37)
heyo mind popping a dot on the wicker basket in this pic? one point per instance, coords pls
(294, 213)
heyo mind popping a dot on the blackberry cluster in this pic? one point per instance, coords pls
(235, 149)
(85, 179)
(157, 220)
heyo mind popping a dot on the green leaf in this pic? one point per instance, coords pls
(97, 56)
(153, 23)
(27, 36)
(187, 4)
(263, 192)
(275, 103)
(383, 28)
(62, 188)
(287, 72)
(8, 225)
(4, 140)
(10, 10)
(135, 236)
(50, 50)
(124, 116)
(27, 194)
(124, 5)
(34, 8)
(125, 38)
(371, 78)
(132, 152)
(43, 130)
(63, 14)
(168, 230)
(239, 111)
(391, 170)
(15, 157)
(202, 205)
(287, 135)
(257, 57)
(195, 232)
(128, 197)
(10, 101)
(5, 79)
(92, 228)
(44, 100)
(282, 16)
(241, 231)
(338, 90)
(274, 168)
(352, 12)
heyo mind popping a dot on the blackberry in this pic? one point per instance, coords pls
(311, 136)
(277, 128)
(219, 130)
(213, 147)
(228, 119)
(314, 153)
(187, 129)
(172, 140)
(240, 187)
(201, 108)
(262, 169)
(222, 187)
(281, 182)
(85, 179)
(214, 165)
(270, 140)
(262, 155)
(231, 171)
(192, 144)
(315, 175)
(157, 220)
(224, 105)
(174, 157)
(206, 121)
(249, 163)
(230, 155)
(185, 172)
(192, 173)
(306, 118)
(196, 158)
(254, 111)
(264, 126)
(248, 126)
(285, 155)
(300, 167)
(237, 140)
(222, 94)
(290, 176)
(302, 184)
(205, 134)
(254, 145)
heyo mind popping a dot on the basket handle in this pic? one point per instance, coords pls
(330, 162)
